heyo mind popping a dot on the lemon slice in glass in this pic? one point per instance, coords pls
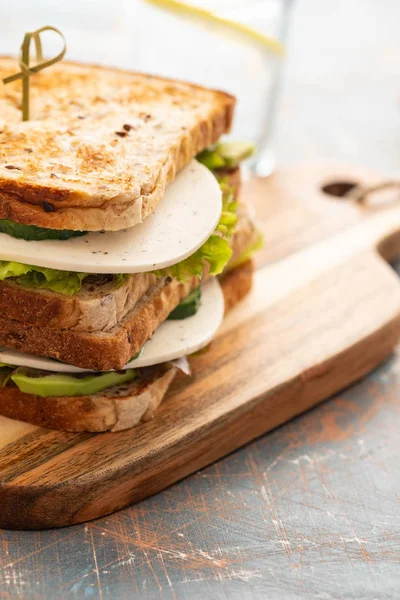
(226, 25)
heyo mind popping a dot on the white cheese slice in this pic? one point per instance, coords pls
(173, 339)
(185, 218)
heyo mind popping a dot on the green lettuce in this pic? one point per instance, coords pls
(216, 251)
(228, 221)
(119, 279)
(65, 282)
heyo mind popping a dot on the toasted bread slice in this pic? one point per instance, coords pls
(100, 158)
(100, 350)
(119, 407)
(99, 305)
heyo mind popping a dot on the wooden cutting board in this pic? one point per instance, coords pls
(325, 310)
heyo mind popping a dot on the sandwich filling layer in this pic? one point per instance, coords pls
(199, 320)
(186, 218)
(103, 320)
(120, 406)
(215, 251)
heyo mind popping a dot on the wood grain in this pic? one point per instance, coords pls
(310, 510)
(315, 322)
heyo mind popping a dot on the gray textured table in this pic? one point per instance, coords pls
(313, 509)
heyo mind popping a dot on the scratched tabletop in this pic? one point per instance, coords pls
(311, 510)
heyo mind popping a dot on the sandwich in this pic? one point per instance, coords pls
(121, 225)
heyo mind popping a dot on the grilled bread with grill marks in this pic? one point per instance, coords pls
(102, 144)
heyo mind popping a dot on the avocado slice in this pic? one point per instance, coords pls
(30, 232)
(233, 153)
(211, 159)
(227, 155)
(5, 373)
(188, 307)
(58, 384)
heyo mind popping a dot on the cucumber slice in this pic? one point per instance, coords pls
(188, 307)
(32, 233)
(69, 385)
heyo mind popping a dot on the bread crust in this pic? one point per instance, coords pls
(99, 306)
(102, 162)
(120, 407)
(236, 284)
(114, 409)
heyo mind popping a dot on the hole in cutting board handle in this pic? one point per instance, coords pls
(339, 189)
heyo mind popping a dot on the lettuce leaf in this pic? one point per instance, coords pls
(65, 282)
(228, 221)
(119, 279)
(216, 251)
(12, 269)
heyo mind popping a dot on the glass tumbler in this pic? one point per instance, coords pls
(180, 46)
